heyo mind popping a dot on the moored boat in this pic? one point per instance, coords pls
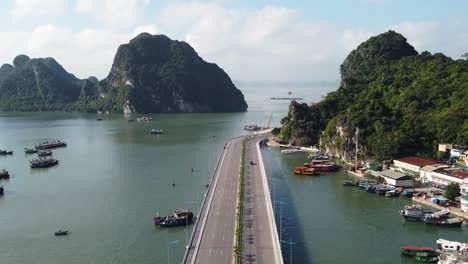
(370, 188)
(291, 151)
(179, 218)
(305, 171)
(408, 193)
(392, 193)
(418, 251)
(252, 127)
(50, 145)
(317, 157)
(414, 213)
(44, 153)
(30, 151)
(450, 222)
(4, 174)
(156, 131)
(61, 233)
(383, 190)
(6, 152)
(43, 163)
(349, 183)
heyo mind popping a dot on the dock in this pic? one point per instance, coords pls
(454, 211)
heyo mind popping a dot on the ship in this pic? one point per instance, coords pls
(44, 153)
(291, 151)
(450, 222)
(43, 163)
(30, 151)
(322, 165)
(252, 127)
(6, 152)
(180, 217)
(421, 254)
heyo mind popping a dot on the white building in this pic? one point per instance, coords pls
(443, 147)
(442, 175)
(411, 165)
(464, 193)
(397, 179)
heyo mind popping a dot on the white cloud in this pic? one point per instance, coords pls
(149, 28)
(270, 43)
(113, 12)
(27, 8)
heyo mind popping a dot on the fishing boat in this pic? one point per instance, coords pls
(61, 232)
(322, 166)
(363, 183)
(408, 193)
(156, 131)
(43, 163)
(144, 119)
(44, 153)
(179, 218)
(291, 151)
(370, 188)
(349, 183)
(30, 151)
(414, 213)
(392, 193)
(418, 251)
(50, 145)
(305, 171)
(382, 190)
(450, 222)
(317, 157)
(430, 259)
(442, 214)
(6, 152)
(4, 174)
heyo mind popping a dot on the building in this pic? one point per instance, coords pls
(411, 165)
(425, 174)
(455, 152)
(397, 179)
(443, 147)
(442, 176)
(464, 195)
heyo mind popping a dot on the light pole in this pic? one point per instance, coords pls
(290, 243)
(169, 245)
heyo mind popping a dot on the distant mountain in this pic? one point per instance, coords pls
(150, 74)
(404, 103)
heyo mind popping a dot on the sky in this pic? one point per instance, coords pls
(251, 40)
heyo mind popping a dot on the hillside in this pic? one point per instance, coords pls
(404, 103)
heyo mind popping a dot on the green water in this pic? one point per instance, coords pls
(332, 223)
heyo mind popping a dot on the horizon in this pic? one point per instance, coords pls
(250, 41)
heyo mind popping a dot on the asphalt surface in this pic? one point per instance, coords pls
(258, 233)
(213, 239)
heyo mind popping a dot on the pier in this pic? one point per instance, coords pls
(214, 235)
(454, 211)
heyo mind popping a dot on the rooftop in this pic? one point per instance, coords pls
(416, 161)
(395, 175)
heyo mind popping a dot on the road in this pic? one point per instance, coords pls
(213, 237)
(259, 237)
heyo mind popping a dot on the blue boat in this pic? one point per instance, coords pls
(383, 190)
(370, 189)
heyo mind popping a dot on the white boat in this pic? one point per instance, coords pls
(252, 127)
(157, 131)
(144, 119)
(291, 151)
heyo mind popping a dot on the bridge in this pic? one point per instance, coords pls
(214, 236)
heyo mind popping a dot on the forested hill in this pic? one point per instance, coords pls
(404, 103)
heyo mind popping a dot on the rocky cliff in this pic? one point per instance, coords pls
(403, 102)
(150, 74)
(154, 74)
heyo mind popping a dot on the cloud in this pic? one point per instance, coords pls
(27, 8)
(113, 12)
(269, 43)
(149, 28)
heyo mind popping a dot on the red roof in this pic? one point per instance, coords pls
(416, 161)
(421, 249)
(460, 174)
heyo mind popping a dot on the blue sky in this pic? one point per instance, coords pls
(251, 40)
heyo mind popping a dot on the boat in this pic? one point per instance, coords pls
(305, 171)
(50, 145)
(144, 119)
(2, 190)
(382, 190)
(61, 232)
(370, 188)
(408, 193)
(414, 213)
(366, 182)
(130, 120)
(442, 214)
(349, 183)
(291, 151)
(6, 152)
(179, 218)
(252, 127)
(30, 150)
(43, 163)
(317, 157)
(450, 222)
(98, 119)
(323, 167)
(392, 193)
(4, 174)
(156, 131)
(44, 153)
(418, 251)
(426, 259)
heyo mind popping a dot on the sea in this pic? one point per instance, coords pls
(114, 177)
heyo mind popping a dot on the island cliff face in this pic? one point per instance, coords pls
(403, 103)
(150, 74)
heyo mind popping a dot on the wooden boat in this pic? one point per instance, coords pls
(305, 171)
(418, 251)
(61, 232)
(414, 213)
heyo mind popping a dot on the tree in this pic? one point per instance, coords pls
(452, 191)
(465, 56)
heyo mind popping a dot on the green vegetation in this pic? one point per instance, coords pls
(404, 103)
(150, 74)
(452, 191)
(240, 194)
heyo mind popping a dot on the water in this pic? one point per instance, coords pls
(113, 177)
(332, 223)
